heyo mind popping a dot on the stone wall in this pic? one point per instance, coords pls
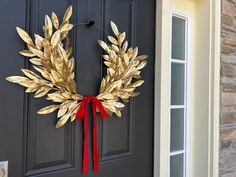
(227, 163)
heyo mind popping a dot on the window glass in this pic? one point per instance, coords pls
(177, 130)
(178, 38)
(177, 165)
(177, 83)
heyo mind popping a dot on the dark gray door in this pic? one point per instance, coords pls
(31, 143)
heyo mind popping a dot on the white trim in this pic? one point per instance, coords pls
(177, 152)
(177, 61)
(177, 106)
(205, 161)
(215, 86)
(161, 88)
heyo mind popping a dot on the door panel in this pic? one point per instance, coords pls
(117, 134)
(31, 142)
(47, 149)
(12, 98)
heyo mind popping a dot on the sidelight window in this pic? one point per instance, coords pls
(178, 96)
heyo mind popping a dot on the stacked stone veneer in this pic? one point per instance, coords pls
(227, 162)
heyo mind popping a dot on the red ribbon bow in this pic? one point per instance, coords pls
(82, 113)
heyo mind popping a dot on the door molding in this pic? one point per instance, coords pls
(206, 91)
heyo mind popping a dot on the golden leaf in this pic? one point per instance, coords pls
(67, 95)
(66, 104)
(141, 65)
(121, 38)
(56, 97)
(38, 41)
(107, 64)
(27, 53)
(138, 83)
(126, 100)
(55, 20)
(43, 72)
(123, 94)
(134, 74)
(62, 120)
(46, 44)
(135, 62)
(129, 89)
(104, 46)
(61, 112)
(114, 28)
(73, 107)
(67, 14)
(42, 91)
(17, 79)
(115, 48)
(126, 59)
(118, 113)
(29, 84)
(69, 52)
(38, 53)
(113, 40)
(35, 61)
(114, 85)
(106, 57)
(24, 36)
(72, 85)
(71, 64)
(105, 96)
(108, 107)
(30, 74)
(55, 75)
(141, 57)
(65, 27)
(110, 71)
(125, 46)
(63, 53)
(73, 117)
(48, 26)
(48, 109)
(30, 90)
(135, 94)
(102, 85)
(55, 39)
(119, 105)
(59, 64)
(135, 53)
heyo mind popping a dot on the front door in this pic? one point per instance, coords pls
(29, 142)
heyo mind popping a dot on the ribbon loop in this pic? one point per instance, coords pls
(82, 113)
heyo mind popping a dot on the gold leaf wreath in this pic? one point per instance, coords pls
(51, 56)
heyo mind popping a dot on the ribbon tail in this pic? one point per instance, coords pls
(80, 112)
(102, 110)
(95, 143)
(85, 153)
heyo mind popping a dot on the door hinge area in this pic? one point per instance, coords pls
(4, 169)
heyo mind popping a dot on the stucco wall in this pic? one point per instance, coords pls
(227, 163)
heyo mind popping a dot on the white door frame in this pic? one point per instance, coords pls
(205, 138)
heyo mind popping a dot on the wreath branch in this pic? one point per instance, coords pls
(123, 67)
(51, 56)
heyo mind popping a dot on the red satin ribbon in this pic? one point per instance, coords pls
(82, 113)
